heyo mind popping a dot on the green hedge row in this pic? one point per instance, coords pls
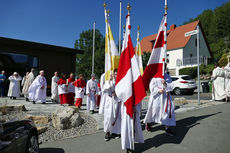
(192, 71)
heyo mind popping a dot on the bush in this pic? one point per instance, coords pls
(192, 71)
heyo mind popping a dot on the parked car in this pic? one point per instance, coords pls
(18, 137)
(183, 84)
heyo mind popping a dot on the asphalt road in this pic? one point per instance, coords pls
(199, 131)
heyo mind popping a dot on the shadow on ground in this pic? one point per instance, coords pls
(182, 128)
(51, 150)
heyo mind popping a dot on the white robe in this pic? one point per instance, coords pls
(159, 110)
(127, 123)
(91, 89)
(71, 87)
(103, 94)
(54, 88)
(218, 88)
(35, 92)
(112, 113)
(227, 79)
(14, 87)
(27, 83)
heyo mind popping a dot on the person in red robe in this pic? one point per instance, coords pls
(99, 94)
(79, 90)
(63, 89)
(71, 89)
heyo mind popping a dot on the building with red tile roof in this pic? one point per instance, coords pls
(181, 50)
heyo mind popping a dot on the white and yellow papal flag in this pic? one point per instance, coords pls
(138, 52)
(111, 52)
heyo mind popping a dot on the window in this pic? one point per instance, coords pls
(12, 62)
(186, 77)
(174, 79)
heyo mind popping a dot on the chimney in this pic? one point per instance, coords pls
(172, 27)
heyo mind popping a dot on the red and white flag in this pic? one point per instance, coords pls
(129, 85)
(129, 89)
(155, 66)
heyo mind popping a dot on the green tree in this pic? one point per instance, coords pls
(215, 24)
(84, 61)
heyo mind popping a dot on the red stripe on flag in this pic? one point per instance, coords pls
(125, 60)
(160, 40)
(152, 71)
(137, 96)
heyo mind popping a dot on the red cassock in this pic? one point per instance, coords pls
(98, 96)
(63, 91)
(79, 90)
(71, 91)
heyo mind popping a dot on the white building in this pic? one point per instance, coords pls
(181, 50)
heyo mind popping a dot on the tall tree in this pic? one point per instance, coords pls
(84, 61)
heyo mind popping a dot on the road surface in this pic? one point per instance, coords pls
(204, 130)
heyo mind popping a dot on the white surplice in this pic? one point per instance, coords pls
(14, 87)
(160, 109)
(91, 89)
(54, 88)
(112, 113)
(36, 93)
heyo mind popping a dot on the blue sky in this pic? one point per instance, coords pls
(60, 22)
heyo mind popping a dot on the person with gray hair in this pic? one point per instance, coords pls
(27, 83)
(37, 90)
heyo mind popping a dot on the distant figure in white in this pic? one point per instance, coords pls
(112, 110)
(161, 107)
(91, 92)
(102, 102)
(24, 79)
(54, 88)
(37, 90)
(14, 87)
(218, 92)
(27, 83)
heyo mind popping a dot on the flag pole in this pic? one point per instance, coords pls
(119, 50)
(94, 24)
(129, 8)
(166, 9)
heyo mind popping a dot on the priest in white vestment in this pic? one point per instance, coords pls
(37, 90)
(160, 106)
(91, 92)
(102, 102)
(27, 83)
(14, 87)
(54, 88)
(112, 110)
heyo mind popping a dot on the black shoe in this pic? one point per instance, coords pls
(11, 97)
(34, 102)
(27, 99)
(43, 102)
(169, 132)
(107, 136)
(129, 151)
(147, 127)
(92, 112)
(115, 136)
(52, 100)
(14, 98)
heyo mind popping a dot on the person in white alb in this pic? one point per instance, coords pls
(14, 87)
(161, 107)
(54, 88)
(91, 92)
(112, 110)
(29, 80)
(37, 90)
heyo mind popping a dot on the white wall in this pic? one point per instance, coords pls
(173, 55)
